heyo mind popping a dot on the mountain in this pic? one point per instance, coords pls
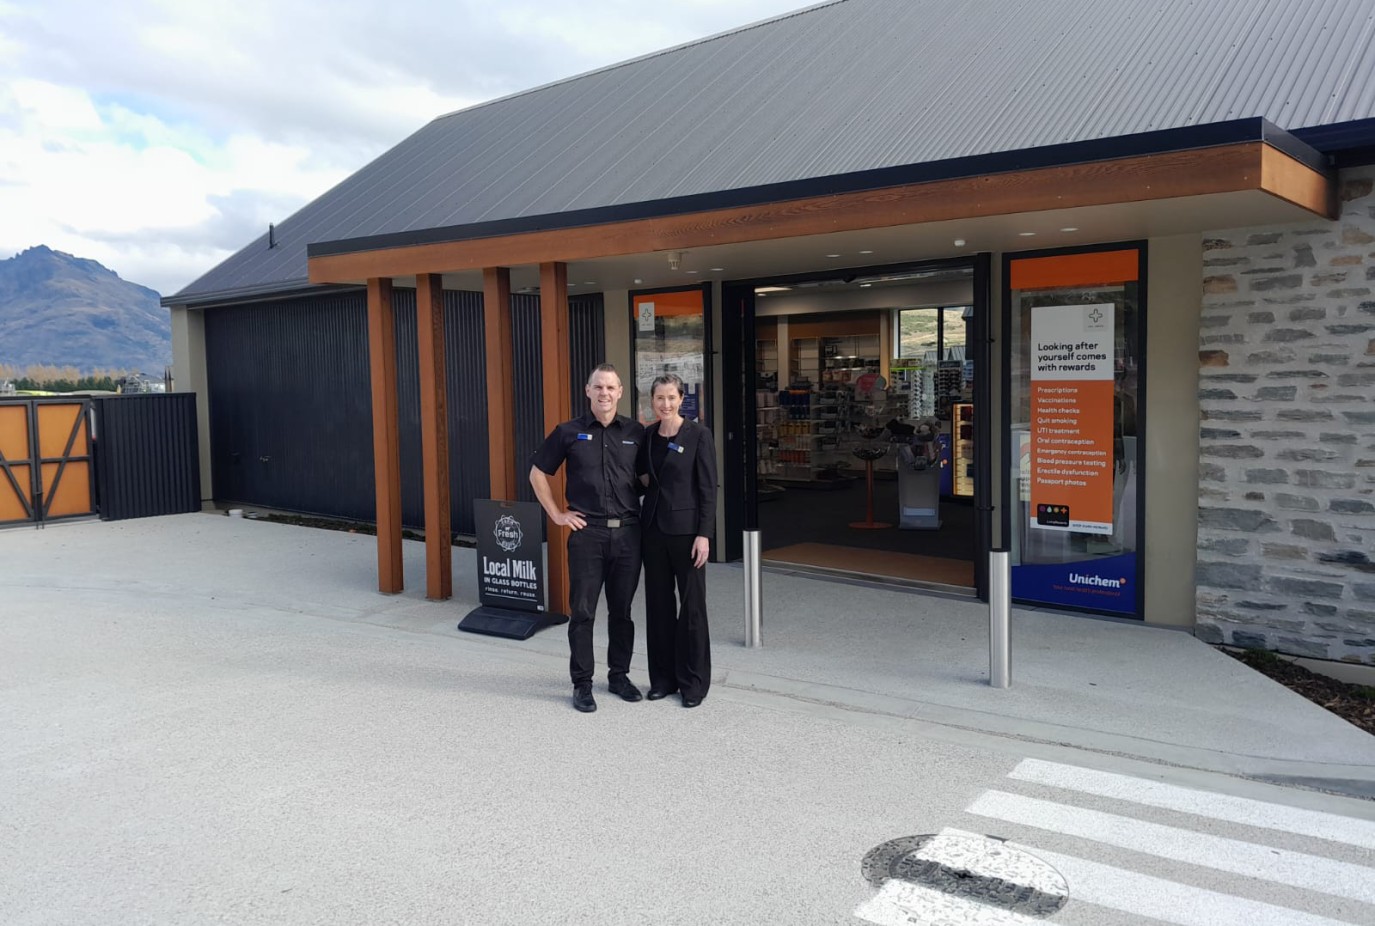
(62, 310)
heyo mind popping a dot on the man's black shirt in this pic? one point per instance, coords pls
(601, 482)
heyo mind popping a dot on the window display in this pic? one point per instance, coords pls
(670, 336)
(1075, 362)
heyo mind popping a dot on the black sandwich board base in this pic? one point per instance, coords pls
(514, 625)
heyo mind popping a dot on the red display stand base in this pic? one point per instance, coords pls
(869, 524)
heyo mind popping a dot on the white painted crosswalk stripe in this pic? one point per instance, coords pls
(1200, 803)
(1166, 901)
(985, 881)
(950, 848)
(899, 903)
(1295, 869)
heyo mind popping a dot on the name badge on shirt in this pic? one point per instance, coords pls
(629, 443)
(584, 437)
(674, 447)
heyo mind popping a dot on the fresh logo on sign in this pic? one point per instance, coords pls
(508, 533)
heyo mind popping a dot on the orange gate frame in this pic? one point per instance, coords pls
(45, 460)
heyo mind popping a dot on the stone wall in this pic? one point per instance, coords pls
(1286, 532)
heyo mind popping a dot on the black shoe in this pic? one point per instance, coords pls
(656, 694)
(691, 702)
(582, 698)
(625, 689)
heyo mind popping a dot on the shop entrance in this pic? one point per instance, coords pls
(859, 447)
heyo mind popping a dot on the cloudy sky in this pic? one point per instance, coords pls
(160, 136)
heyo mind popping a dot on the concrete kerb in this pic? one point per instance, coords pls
(867, 654)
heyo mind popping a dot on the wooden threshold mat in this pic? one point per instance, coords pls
(885, 563)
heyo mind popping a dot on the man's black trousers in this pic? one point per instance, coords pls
(600, 556)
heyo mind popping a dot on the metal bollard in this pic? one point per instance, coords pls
(999, 615)
(754, 592)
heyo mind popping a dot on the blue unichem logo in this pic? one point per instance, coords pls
(1096, 581)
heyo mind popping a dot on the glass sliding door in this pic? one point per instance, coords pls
(1074, 355)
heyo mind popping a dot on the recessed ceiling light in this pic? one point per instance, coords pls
(959, 242)
(590, 283)
(1070, 228)
(765, 290)
(690, 271)
(716, 269)
(638, 281)
(1026, 234)
(833, 256)
(865, 285)
(866, 252)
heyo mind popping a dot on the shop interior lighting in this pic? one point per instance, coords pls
(832, 256)
(1026, 234)
(1070, 228)
(959, 242)
(765, 290)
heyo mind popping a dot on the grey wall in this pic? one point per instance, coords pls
(1173, 299)
(1287, 434)
(188, 375)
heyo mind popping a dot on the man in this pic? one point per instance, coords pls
(603, 491)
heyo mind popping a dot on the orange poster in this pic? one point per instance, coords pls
(1072, 418)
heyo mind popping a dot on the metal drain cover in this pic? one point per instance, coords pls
(974, 869)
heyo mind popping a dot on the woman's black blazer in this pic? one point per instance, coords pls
(681, 496)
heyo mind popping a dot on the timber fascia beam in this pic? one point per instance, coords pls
(1249, 166)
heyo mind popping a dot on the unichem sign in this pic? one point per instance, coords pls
(1107, 584)
(1096, 581)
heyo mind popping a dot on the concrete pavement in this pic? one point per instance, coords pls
(1107, 687)
(212, 720)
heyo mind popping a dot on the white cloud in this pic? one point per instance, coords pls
(159, 136)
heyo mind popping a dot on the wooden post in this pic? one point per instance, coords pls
(553, 295)
(501, 412)
(386, 438)
(434, 435)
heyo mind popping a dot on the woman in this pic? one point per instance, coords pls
(678, 465)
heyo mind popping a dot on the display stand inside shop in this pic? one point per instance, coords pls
(869, 451)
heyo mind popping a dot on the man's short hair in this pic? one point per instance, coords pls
(602, 368)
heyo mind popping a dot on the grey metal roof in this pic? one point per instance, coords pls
(843, 87)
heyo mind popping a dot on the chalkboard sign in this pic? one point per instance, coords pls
(510, 554)
(510, 571)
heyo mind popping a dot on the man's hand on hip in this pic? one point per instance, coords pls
(569, 519)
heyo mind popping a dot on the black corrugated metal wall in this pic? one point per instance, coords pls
(290, 401)
(147, 455)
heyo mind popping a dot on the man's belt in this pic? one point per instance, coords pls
(611, 522)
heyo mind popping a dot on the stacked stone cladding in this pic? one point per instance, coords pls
(1286, 529)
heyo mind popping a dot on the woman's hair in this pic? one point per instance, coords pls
(668, 379)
